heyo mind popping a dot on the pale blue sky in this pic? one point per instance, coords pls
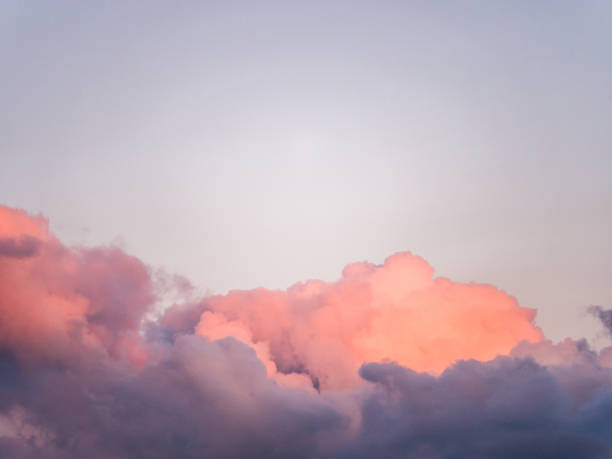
(262, 143)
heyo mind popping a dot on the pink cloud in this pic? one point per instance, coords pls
(388, 361)
(397, 311)
(56, 296)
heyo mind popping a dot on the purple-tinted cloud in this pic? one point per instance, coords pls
(24, 246)
(604, 315)
(84, 373)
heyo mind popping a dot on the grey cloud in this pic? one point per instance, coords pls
(605, 315)
(198, 399)
(503, 408)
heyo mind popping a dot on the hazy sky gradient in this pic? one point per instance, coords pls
(246, 145)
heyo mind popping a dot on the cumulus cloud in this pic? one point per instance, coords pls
(397, 311)
(196, 399)
(502, 408)
(389, 361)
(56, 299)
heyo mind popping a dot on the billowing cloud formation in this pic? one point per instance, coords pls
(53, 298)
(387, 362)
(397, 311)
(502, 408)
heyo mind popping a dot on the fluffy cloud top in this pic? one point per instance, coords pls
(398, 311)
(389, 361)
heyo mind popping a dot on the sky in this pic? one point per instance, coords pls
(248, 145)
(357, 214)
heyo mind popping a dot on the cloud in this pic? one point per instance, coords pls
(604, 315)
(567, 352)
(389, 361)
(22, 247)
(198, 399)
(503, 408)
(57, 298)
(396, 311)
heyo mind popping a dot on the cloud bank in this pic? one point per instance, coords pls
(388, 361)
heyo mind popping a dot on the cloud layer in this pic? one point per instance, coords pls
(389, 361)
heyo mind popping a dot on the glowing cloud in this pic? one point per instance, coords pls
(299, 373)
(53, 298)
(397, 311)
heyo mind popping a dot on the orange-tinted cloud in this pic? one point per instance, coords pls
(83, 375)
(315, 333)
(52, 297)
(398, 311)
